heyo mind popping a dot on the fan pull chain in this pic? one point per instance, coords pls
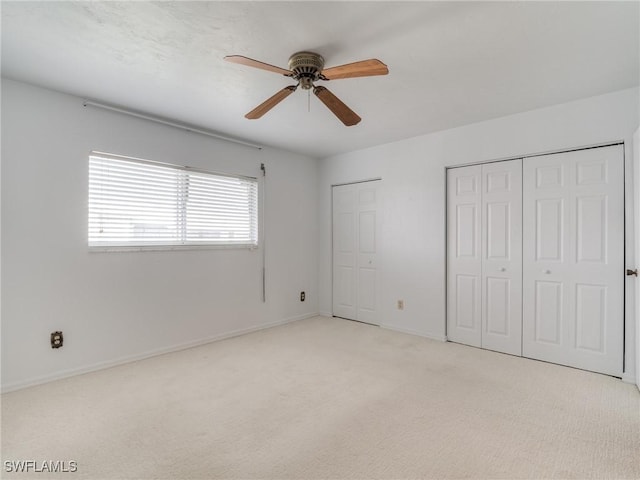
(309, 100)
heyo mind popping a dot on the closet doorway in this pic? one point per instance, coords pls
(535, 257)
(355, 251)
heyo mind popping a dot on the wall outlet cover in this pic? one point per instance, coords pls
(56, 339)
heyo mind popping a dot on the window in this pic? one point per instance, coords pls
(139, 203)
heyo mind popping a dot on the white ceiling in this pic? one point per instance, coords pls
(451, 63)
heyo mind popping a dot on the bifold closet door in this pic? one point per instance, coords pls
(464, 259)
(355, 246)
(502, 256)
(573, 299)
(484, 256)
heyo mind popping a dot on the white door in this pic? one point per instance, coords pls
(355, 245)
(484, 274)
(502, 256)
(464, 257)
(573, 259)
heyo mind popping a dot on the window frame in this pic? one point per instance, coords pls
(110, 246)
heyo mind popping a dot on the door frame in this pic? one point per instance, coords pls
(634, 262)
(354, 182)
(631, 293)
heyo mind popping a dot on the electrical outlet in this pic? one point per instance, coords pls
(302, 296)
(400, 304)
(56, 339)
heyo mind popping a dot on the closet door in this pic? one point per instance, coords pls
(484, 256)
(344, 251)
(355, 247)
(573, 304)
(464, 256)
(502, 256)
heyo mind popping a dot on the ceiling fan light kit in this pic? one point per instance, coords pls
(308, 68)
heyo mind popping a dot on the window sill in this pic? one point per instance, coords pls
(164, 248)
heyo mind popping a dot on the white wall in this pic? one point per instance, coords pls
(118, 306)
(412, 259)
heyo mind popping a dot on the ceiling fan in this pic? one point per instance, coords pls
(307, 68)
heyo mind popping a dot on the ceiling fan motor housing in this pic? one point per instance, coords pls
(306, 67)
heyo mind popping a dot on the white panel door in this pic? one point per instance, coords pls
(502, 256)
(464, 257)
(355, 247)
(573, 259)
(344, 251)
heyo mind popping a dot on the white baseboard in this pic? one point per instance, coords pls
(627, 378)
(440, 338)
(148, 354)
(325, 314)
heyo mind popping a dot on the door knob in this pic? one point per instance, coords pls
(547, 272)
(502, 269)
(632, 272)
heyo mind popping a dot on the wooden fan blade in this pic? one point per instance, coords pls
(339, 109)
(364, 68)
(267, 105)
(250, 62)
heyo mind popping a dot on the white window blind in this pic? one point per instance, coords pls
(141, 203)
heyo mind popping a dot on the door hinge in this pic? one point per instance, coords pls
(632, 272)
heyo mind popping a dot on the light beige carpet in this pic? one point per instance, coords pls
(329, 398)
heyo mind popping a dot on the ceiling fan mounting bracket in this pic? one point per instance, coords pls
(307, 68)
